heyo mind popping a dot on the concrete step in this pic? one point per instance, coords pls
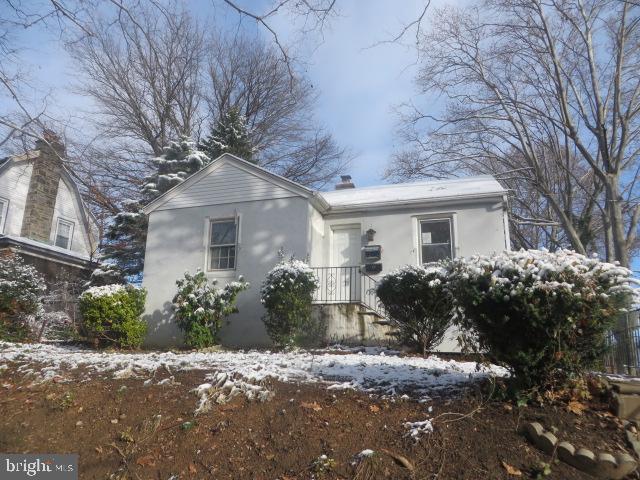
(630, 387)
(627, 405)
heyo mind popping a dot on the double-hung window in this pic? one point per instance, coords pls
(222, 244)
(4, 204)
(64, 233)
(435, 240)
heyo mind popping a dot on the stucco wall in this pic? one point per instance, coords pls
(176, 242)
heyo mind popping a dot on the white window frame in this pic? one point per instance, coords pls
(4, 211)
(210, 246)
(452, 246)
(72, 226)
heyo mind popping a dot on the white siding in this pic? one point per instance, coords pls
(226, 184)
(66, 208)
(14, 186)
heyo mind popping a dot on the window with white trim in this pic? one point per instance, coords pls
(222, 244)
(435, 240)
(4, 206)
(64, 233)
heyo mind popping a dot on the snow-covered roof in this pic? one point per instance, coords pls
(435, 190)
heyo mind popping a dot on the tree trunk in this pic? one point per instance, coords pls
(614, 207)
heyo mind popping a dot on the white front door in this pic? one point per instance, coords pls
(346, 252)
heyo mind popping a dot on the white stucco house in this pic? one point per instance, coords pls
(233, 217)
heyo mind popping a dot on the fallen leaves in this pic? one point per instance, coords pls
(511, 470)
(400, 460)
(576, 407)
(374, 408)
(311, 406)
(146, 461)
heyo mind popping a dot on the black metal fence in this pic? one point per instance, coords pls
(337, 285)
(624, 346)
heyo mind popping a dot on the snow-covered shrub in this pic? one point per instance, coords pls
(200, 307)
(418, 303)
(21, 292)
(543, 315)
(111, 315)
(286, 293)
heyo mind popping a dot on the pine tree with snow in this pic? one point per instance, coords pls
(127, 233)
(230, 134)
(179, 161)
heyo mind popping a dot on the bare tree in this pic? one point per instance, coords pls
(545, 96)
(23, 117)
(248, 75)
(143, 72)
(314, 15)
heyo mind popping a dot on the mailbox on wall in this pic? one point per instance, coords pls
(372, 253)
(373, 268)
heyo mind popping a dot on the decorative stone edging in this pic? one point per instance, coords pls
(602, 465)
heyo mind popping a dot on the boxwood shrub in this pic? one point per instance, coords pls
(543, 315)
(286, 294)
(21, 294)
(418, 303)
(200, 307)
(111, 315)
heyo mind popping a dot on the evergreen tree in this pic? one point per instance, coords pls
(126, 235)
(229, 135)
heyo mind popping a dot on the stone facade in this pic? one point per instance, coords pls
(43, 189)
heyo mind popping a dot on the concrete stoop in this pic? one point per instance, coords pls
(626, 399)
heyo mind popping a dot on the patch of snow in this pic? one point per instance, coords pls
(379, 374)
(366, 453)
(418, 429)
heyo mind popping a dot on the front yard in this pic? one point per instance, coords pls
(263, 415)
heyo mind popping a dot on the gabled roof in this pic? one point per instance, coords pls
(227, 158)
(418, 192)
(87, 216)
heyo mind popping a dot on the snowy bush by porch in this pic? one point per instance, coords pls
(419, 305)
(543, 315)
(111, 315)
(200, 307)
(21, 294)
(286, 293)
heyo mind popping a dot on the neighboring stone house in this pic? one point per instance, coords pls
(42, 215)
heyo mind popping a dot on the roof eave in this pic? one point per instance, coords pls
(415, 203)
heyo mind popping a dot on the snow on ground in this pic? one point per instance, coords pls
(376, 373)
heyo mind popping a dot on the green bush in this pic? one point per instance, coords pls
(111, 315)
(286, 294)
(200, 307)
(21, 292)
(542, 315)
(419, 305)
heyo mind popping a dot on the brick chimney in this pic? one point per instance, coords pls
(43, 188)
(345, 182)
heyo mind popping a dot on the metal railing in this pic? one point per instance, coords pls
(339, 285)
(624, 346)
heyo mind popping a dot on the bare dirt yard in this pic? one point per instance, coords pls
(261, 415)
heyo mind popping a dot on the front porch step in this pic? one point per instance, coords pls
(625, 398)
(627, 406)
